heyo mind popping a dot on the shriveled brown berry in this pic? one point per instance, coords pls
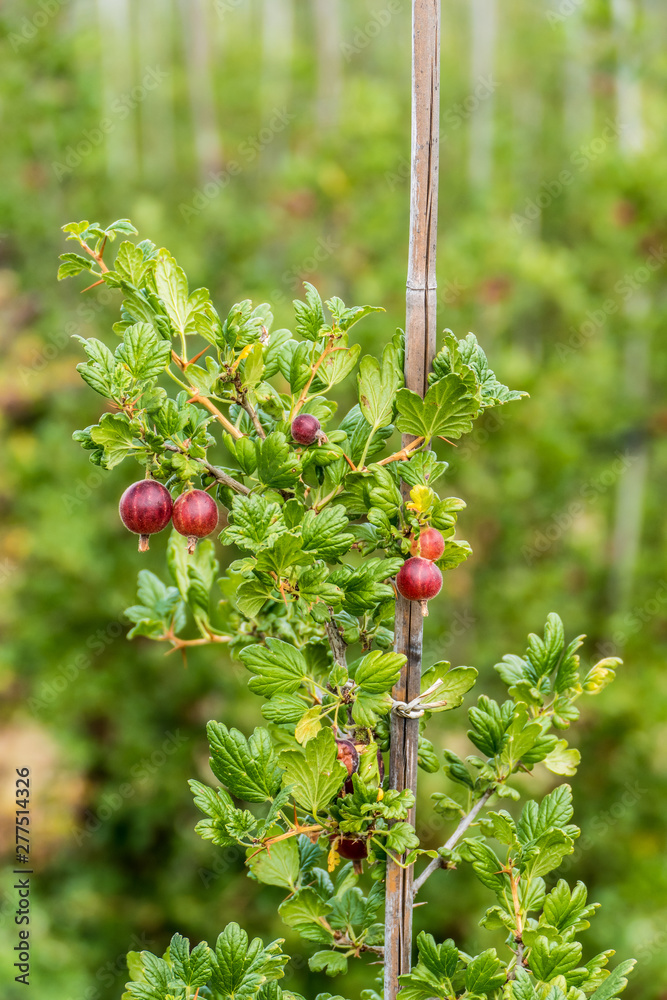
(352, 848)
(145, 508)
(347, 753)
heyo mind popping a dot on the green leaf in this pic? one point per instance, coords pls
(485, 863)
(549, 958)
(239, 968)
(563, 760)
(249, 768)
(545, 854)
(601, 674)
(456, 552)
(423, 469)
(100, 371)
(337, 365)
(192, 968)
(73, 264)
(615, 983)
(455, 682)
(522, 987)
(489, 724)
(378, 672)
(401, 837)
(115, 435)
(458, 355)
(251, 597)
(457, 770)
(325, 533)
(141, 352)
(131, 265)
(447, 410)
(278, 667)
(305, 907)
(172, 287)
(277, 466)
(309, 314)
(254, 523)
(555, 809)
(567, 909)
(225, 824)
(378, 384)
(277, 865)
(334, 963)
(485, 973)
(314, 773)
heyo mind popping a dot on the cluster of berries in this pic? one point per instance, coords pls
(353, 847)
(146, 507)
(419, 579)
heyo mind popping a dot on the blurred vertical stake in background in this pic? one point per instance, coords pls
(553, 209)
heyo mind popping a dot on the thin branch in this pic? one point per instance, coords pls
(404, 453)
(337, 643)
(212, 408)
(184, 643)
(252, 413)
(217, 473)
(467, 821)
(96, 256)
(329, 349)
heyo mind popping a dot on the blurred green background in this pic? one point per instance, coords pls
(266, 142)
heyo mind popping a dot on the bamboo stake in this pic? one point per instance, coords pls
(421, 305)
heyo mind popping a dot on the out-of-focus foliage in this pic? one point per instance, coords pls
(271, 155)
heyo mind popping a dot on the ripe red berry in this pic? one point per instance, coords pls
(429, 545)
(352, 848)
(305, 428)
(195, 515)
(145, 508)
(419, 580)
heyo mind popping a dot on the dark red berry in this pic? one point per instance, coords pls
(305, 428)
(348, 754)
(419, 580)
(145, 508)
(429, 545)
(195, 515)
(352, 848)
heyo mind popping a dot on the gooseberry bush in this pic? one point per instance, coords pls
(324, 519)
